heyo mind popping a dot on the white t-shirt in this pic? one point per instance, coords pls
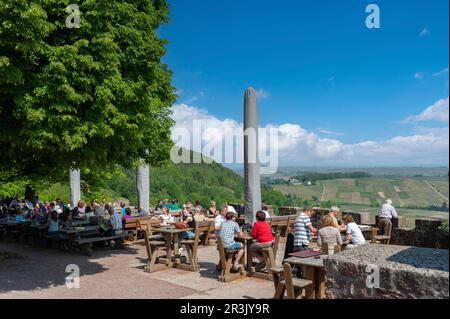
(218, 220)
(356, 234)
(166, 218)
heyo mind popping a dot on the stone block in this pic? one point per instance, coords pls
(404, 273)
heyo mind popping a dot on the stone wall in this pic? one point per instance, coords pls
(404, 273)
(284, 210)
(425, 234)
(360, 218)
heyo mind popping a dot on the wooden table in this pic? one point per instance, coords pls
(172, 237)
(314, 271)
(247, 240)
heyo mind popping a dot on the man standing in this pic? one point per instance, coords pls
(303, 229)
(386, 213)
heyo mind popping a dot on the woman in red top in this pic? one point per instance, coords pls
(262, 232)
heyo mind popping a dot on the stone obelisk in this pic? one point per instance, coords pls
(75, 190)
(143, 189)
(252, 192)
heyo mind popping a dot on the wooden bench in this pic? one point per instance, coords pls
(326, 249)
(225, 263)
(131, 225)
(147, 224)
(152, 248)
(207, 229)
(191, 245)
(86, 244)
(280, 224)
(294, 286)
(269, 255)
(381, 239)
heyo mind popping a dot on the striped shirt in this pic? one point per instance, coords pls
(302, 235)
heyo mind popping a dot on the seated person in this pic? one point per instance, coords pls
(353, 232)
(114, 223)
(89, 213)
(127, 214)
(329, 233)
(220, 218)
(189, 221)
(262, 232)
(53, 223)
(228, 230)
(166, 217)
(213, 208)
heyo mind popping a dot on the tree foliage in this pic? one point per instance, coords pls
(88, 97)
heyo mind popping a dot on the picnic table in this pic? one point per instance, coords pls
(77, 232)
(171, 235)
(314, 271)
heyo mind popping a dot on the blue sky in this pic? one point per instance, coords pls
(316, 65)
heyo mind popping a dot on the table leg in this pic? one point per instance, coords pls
(175, 248)
(320, 283)
(249, 257)
(169, 249)
(310, 275)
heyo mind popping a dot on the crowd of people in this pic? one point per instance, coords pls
(59, 215)
(111, 216)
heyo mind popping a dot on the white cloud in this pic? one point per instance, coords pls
(297, 146)
(419, 75)
(437, 112)
(425, 32)
(443, 71)
(262, 94)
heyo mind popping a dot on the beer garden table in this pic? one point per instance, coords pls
(314, 271)
(171, 235)
(247, 240)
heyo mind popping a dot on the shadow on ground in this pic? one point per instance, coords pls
(29, 268)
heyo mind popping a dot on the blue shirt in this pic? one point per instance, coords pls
(116, 221)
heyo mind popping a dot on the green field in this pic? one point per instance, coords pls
(419, 192)
(368, 193)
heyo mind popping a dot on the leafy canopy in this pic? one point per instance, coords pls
(90, 97)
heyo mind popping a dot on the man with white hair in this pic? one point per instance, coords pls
(386, 213)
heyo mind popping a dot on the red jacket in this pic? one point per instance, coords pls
(262, 232)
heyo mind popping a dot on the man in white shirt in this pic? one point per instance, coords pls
(219, 219)
(386, 213)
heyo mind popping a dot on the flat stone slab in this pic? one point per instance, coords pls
(404, 272)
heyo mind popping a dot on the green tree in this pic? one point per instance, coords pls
(90, 97)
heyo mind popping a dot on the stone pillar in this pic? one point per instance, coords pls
(75, 190)
(252, 193)
(143, 188)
